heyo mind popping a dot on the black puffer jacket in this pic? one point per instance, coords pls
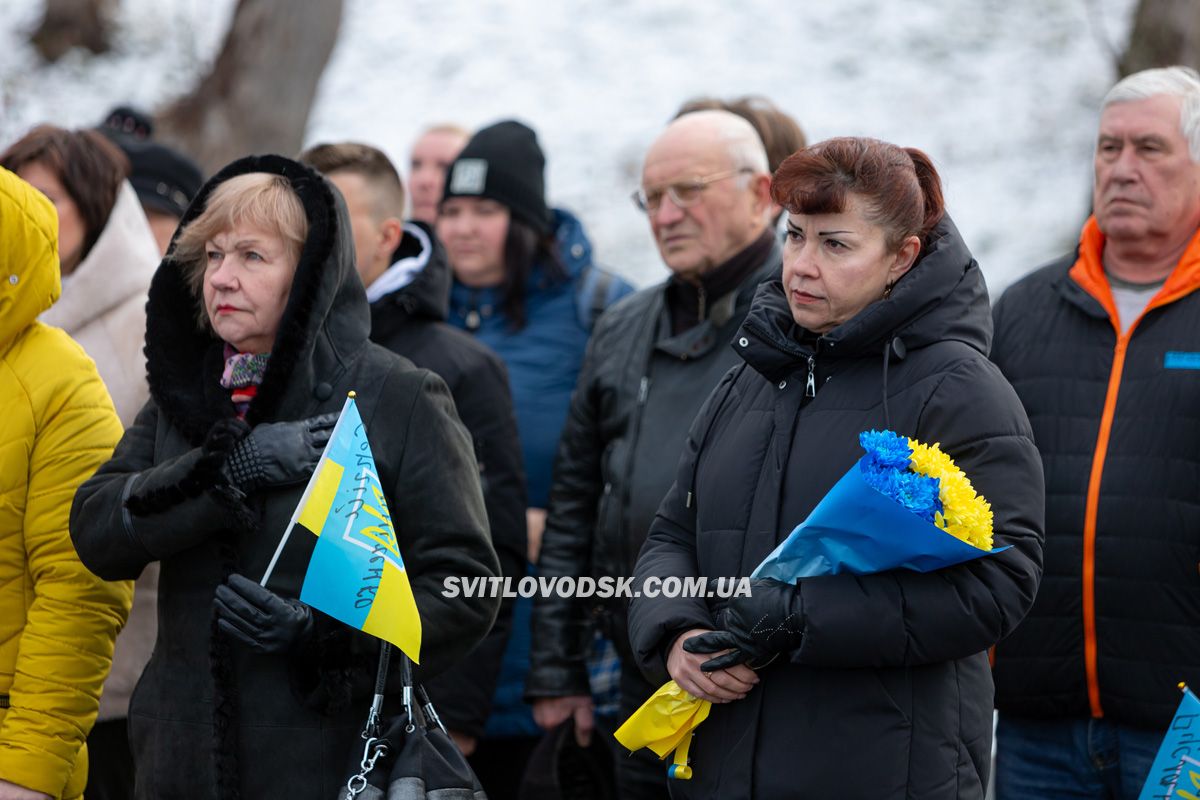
(278, 726)
(411, 322)
(890, 693)
(638, 391)
(1117, 420)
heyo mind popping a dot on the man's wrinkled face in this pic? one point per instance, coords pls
(725, 217)
(1147, 186)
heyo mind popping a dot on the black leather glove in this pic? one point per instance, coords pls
(756, 628)
(259, 618)
(278, 453)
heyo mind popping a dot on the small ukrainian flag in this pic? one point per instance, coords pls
(355, 573)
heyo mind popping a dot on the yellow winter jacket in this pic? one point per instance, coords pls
(57, 425)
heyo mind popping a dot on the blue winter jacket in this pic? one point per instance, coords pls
(544, 357)
(543, 361)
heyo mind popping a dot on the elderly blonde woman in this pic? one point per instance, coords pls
(256, 330)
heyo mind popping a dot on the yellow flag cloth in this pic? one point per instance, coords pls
(664, 723)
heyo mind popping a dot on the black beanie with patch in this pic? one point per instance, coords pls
(503, 162)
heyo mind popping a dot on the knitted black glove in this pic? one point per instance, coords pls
(278, 453)
(756, 628)
(259, 618)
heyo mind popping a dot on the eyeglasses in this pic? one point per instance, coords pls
(683, 194)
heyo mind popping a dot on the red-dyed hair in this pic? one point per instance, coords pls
(900, 186)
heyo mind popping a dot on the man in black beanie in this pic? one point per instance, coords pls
(503, 162)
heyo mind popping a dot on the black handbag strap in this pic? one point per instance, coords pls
(409, 688)
(380, 739)
(376, 747)
(373, 727)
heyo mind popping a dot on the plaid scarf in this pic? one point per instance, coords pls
(243, 373)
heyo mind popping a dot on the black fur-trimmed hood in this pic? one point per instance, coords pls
(324, 325)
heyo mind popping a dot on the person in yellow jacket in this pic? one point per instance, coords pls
(58, 621)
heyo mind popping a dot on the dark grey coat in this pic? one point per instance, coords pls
(638, 390)
(210, 719)
(889, 695)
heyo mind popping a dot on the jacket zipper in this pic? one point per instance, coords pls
(627, 558)
(810, 383)
(1087, 274)
(1091, 512)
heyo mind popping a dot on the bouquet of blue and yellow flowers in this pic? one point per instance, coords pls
(903, 505)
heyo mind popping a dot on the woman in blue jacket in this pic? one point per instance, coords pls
(524, 283)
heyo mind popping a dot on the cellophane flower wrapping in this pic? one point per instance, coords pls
(903, 505)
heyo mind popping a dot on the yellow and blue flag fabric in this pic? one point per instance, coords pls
(355, 571)
(665, 724)
(1175, 773)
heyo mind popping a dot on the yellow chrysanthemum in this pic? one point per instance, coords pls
(965, 515)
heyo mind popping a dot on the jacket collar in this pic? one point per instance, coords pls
(427, 294)
(1087, 273)
(703, 337)
(117, 268)
(691, 304)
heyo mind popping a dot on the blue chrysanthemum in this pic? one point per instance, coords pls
(884, 450)
(885, 468)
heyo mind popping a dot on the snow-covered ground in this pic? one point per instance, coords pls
(1001, 93)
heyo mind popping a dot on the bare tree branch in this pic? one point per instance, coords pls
(73, 23)
(260, 91)
(1165, 32)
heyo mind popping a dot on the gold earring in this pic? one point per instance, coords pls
(887, 290)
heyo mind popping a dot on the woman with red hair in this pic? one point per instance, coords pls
(848, 686)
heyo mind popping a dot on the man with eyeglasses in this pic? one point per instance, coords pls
(651, 363)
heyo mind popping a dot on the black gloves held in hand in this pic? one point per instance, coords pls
(756, 628)
(278, 453)
(259, 618)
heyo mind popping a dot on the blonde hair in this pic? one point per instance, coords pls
(259, 199)
(446, 127)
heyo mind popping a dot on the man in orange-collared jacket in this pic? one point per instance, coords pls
(1103, 348)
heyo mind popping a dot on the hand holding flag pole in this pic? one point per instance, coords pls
(355, 571)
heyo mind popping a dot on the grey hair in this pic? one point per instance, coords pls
(741, 142)
(1181, 82)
